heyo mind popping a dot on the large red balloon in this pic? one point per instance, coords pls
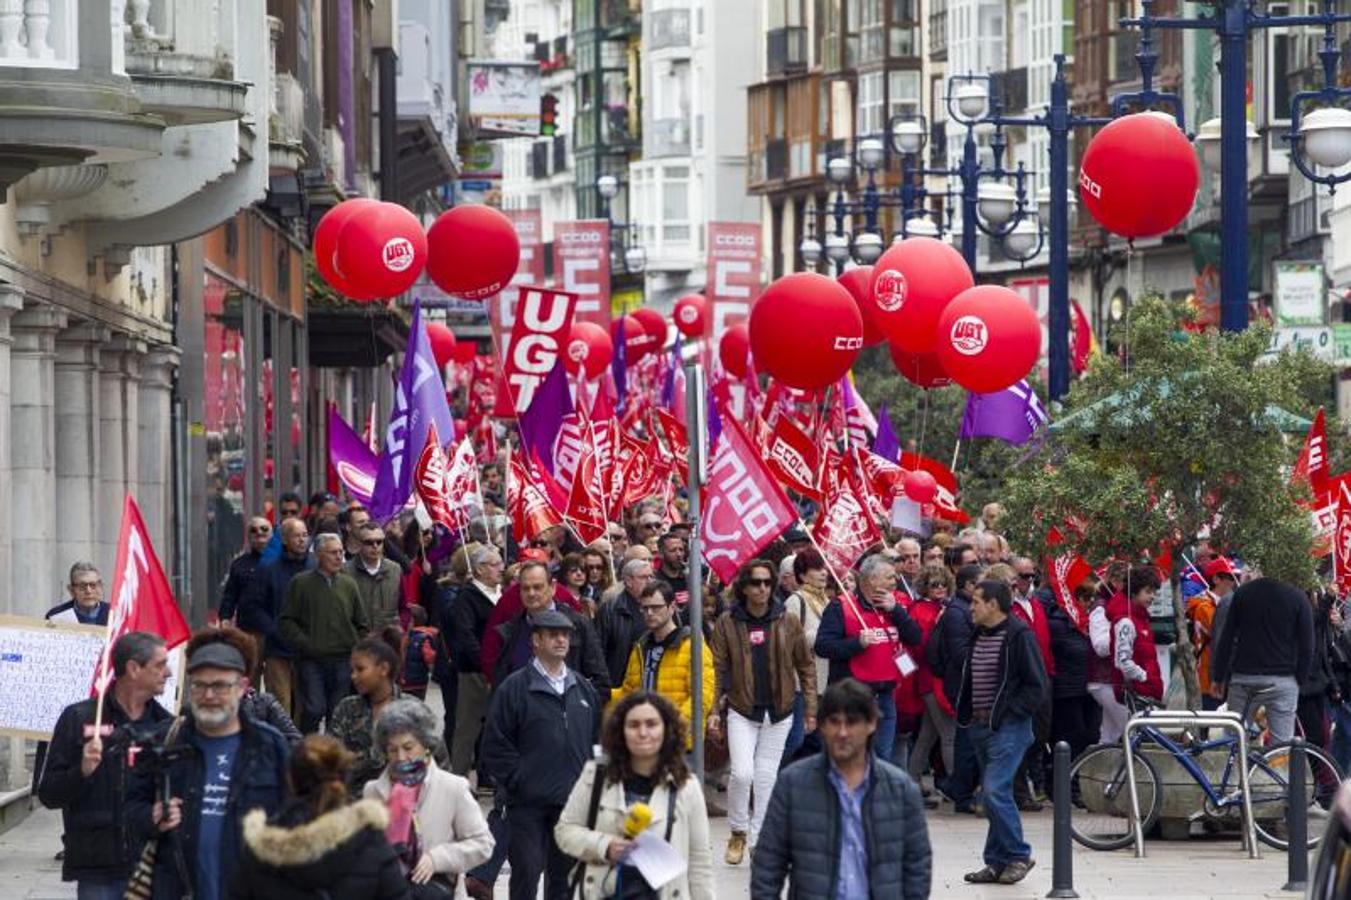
(805, 331)
(381, 250)
(589, 346)
(990, 338)
(691, 315)
(465, 351)
(474, 251)
(920, 369)
(654, 327)
(912, 282)
(443, 343)
(1139, 175)
(635, 337)
(734, 350)
(858, 281)
(920, 486)
(326, 243)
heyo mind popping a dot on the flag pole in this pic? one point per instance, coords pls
(482, 501)
(697, 428)
(955, 450)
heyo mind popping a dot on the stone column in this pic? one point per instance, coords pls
(34, 570)
(83, 516)
(11, 301)
(119, 365)
(155, 437)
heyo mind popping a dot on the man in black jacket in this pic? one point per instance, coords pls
(1003, 685)
(260, 613)
(1263, 652)
(243, 568)
(542, 724)
(85, 774)
(844, 823)
(537, 595)
(221, 765)
(619, 621)
(468, 617)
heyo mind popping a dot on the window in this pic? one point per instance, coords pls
(872, 28)
(903, 93)
(870, 104)
(675, 203)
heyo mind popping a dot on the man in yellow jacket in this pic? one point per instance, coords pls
(661, 660)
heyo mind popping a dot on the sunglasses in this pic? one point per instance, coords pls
(372, 542)
(263, 530)
(759, 582)
(595, 567)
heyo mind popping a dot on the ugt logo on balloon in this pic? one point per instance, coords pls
(891, 291)
(969, 335)
(398, 254)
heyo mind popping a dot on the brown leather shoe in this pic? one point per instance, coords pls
(476, 889)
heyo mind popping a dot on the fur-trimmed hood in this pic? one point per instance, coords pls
(307, 843)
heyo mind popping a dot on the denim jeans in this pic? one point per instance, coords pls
(884, 741)
(960, 785)
(998, 753)
(1278, 693)
(100, 890)
(323, 684)
(798, 733)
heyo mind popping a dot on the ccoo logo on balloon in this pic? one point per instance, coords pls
(969, 335)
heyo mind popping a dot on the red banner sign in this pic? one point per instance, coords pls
(744, 508)
(733, 272)
(582, 267)
(537, 338)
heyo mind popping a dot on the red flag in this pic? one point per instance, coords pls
(744, 507)
(142, 599)
(846, 527)
(792, 457)
(676, 438)
(882, 475)
(429, 480)
(527, 502)
(1312, 465)
(1342, 543)
(587, 497)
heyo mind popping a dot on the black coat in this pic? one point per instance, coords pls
(98, 843)
(238, 582)
(800, 840)
(257, 781)
(584, 652)
(1022, 677)
(954, 637)
(535, 742)
(619, 624)
(260, 607)
(1268, 631)
(340, 855)
(468, 618)
(1070, 647)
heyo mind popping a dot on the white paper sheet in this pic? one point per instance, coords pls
(659, 862)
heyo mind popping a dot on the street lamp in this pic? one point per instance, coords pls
(626, 252)
(810, 248)
(1233, 21)
(867, 247)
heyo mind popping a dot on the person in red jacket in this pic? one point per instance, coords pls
(1135, 662)
(934, 584)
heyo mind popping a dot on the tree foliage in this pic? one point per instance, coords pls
(1182, 440)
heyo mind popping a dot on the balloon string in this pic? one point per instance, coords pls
(923, 422)
(1130, 260)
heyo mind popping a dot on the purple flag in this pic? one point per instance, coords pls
(886, 444)
(619, 366)
(1012, 415)
(668, 386)
(541, 423)
(349, 456)
(419, 402)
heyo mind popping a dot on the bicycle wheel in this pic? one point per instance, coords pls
(1269, 784)
(1102, 797)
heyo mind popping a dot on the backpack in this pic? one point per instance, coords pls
(419, 656)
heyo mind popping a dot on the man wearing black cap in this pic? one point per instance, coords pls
(542, 724)
(220, 765)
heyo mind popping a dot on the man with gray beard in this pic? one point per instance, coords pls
(219, 765)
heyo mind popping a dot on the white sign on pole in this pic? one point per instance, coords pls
(1316, 339)
(1299, 293)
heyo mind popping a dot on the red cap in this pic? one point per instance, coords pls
(536, 554)
(1220, 565)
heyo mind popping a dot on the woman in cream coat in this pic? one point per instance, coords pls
(644, 743)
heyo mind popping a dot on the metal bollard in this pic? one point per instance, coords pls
(1296, 822)
(1062, 854)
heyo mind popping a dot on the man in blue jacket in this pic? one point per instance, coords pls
(260, 613)
(844, 823)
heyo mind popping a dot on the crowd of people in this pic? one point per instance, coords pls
(849, 706)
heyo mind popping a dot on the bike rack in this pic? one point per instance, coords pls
(1165, 718)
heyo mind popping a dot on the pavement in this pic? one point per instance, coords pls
(1182, 871)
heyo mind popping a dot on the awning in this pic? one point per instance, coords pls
(353, 336)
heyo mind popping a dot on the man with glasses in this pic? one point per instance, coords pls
(379, 580)
(619, 540)
(619, 622)
(908, 562)
(243, 568)
(260, 608)
(649, 528)
(86, 605)
(323, 619)
(226, 765)
(662, 659)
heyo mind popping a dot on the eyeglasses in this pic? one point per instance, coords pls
(372, 542)
(759, 582)
(264, 529)
(652, 525)
(87, 585)
(646, 609)
(1023, 576)
(202, 688)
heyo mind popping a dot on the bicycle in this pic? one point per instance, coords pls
(1101, 790)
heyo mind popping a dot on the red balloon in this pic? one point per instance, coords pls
(805, 330)
(381, 250)
(858, 281)
(464, 352)
(326, 243)
(920, 369)
(443, 343)
(734, 350)
(912, 282)
(654, 328)
(474, 251)
(990, 338)
(635, 337)
(1139, 175)
(589, 346)
(920, 486)
(691, 315)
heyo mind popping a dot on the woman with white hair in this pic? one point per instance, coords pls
(435, 824)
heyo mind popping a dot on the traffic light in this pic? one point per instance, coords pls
(548, 115)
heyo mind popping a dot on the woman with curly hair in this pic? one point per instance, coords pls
(760, 657)
(318, 845)
(644, 744)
